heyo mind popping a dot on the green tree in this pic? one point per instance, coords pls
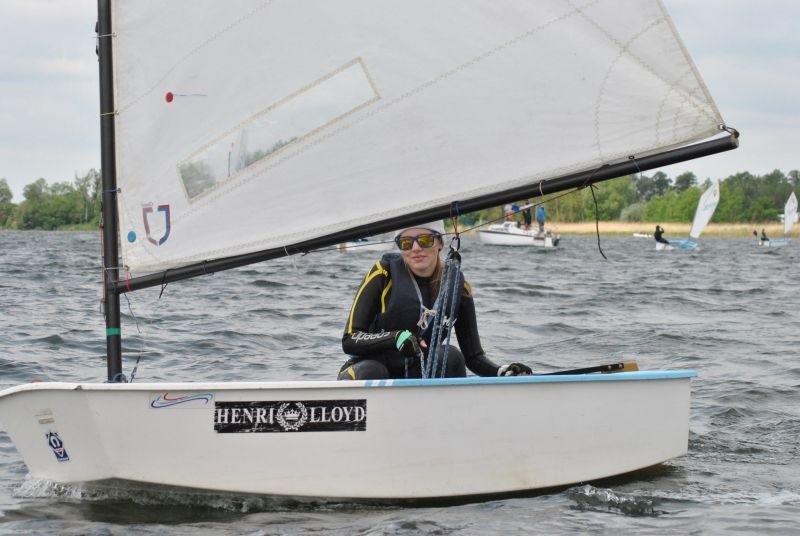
(88, 188)
(565, 207)
(731, 200)
(58, 205)
(650, 187)
(611, 196)
(794, 179)
(673, 206)
(634, 212)
(6, 206)
(684, 181)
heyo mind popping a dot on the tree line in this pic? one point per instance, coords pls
(61, 205)
(744, 198)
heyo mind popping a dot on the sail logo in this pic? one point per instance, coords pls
(57, 446)
(290, 416)
(166, 400)
(163, 226)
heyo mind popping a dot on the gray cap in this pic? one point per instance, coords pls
(434, 226)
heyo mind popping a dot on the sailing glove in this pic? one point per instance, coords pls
(407, 344)
(514, 369)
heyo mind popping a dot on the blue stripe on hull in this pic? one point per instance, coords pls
(477, 380)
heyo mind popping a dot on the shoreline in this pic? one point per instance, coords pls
(671, 229)
(610, 228)
(739, 230)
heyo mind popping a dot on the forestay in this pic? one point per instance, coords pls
(246, 125)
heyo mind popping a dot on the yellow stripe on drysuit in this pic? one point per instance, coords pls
(384, 294)
(377, 270)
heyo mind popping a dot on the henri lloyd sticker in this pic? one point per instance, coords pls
(291, 416)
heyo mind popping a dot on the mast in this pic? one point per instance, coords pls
(530, 191)
(108, 170)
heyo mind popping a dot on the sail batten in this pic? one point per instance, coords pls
(236, 135)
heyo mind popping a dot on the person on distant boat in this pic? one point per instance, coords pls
(510, 209)
(540, 216)
(526, 216)
(764, 237)
(388, 330)
(755, 234)
(658, 235)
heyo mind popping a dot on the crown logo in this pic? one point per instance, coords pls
(292, 419)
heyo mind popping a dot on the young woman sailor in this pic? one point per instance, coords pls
(388, 332)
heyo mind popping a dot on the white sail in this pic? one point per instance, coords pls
(789, 213)
(705, 209)
(358, 111)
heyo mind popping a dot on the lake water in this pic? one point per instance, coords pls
(728, 311)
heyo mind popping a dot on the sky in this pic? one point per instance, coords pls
(747, 51)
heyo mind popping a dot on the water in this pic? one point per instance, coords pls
(729, 311)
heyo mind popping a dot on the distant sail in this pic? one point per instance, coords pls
(356, 111)
(705, 209)
(789, 213)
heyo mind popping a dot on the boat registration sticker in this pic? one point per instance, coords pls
(58, 447)
(290, 416)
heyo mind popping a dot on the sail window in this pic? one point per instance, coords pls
(282, 124)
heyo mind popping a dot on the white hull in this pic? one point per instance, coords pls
(508, 234)
(774, 243)
(677, 244)
(420, 438)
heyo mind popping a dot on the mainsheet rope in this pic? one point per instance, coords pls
(444, 308)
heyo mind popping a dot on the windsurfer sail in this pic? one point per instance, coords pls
(705, 210)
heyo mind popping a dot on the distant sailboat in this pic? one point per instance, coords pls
(705, 209)
(789, 218)
(509, 233)
(367, 244)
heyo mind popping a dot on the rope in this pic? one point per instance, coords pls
(597, 222)
(444, 306)
(164, 283)
(139, 331)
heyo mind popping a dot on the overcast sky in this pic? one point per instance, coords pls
(748, 52)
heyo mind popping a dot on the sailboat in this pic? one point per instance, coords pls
(364, 117)
(509, 233)
(789, 219)
(705, 210)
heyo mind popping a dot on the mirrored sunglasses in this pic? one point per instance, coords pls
(424, 240)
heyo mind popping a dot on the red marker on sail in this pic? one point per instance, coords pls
(170, 96)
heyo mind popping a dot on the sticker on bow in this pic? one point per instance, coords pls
(58, 447)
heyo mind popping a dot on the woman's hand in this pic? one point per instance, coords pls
(514, 369)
